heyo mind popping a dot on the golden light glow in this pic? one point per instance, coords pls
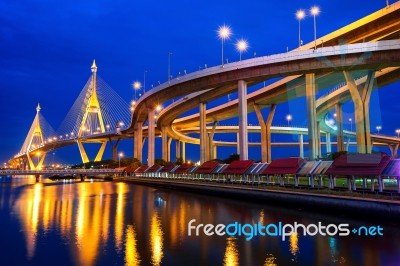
(300, 14)
(119, 216)
(137, 85)
(270, 261)
(159, 108)
(231, 257)
(132, 257)
(294, 244)
(156, 240)
(314, 10)
(224, 32)
(242, 45)
(121, 154)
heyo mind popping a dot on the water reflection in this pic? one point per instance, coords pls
(116, 223)
(132, 257)
(270, 260)
(231, 257)
(156, 240)
(294, 244)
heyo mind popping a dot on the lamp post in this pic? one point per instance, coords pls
(136, 86)
(351, 124)
(315, 11)
(144, 80)
(224, 32)
(289, 118)
(300, 14)
(119, 159)
(241, 46)
(398, 132)
(169, 66)
(378, 128)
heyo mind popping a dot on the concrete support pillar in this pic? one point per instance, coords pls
(177, 149)
(114, 148)
(243, 133)
(169, 149)
(339, 124)
(328, 142)
(237, 143)
(164, 143)
(318, 140)
(211, 154)
(266, 155)
(311, 116)
(184, 151)
(361, 98)
(203, 133)
(393, 149)
(138, 145)
(364, 183)
(398, 185)
(301, 144)
(215, 152)
(150, 136)
(348, 184)
(380, 184)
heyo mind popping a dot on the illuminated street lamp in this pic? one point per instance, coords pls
(289, 118)
(242, 46)
(136, 86)
(398, 132)
(351, 124)
(224, 32)
(315, 11)
(300, 14)
(378, 128)
(158, 108)
(119, 159)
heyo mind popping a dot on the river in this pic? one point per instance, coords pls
(106, 223)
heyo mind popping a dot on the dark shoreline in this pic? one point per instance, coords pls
(352, 206)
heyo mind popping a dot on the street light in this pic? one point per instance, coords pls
(144, 80)
(300, 14)
(289, 118)
(119, 159)
(136, 86)
(378, 128)
(242, 46)
(224, 32)
(315, 11)
(169, 66)
(351, 124)
(398, 132)
(159, 108)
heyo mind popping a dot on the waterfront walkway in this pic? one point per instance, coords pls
(321, 199)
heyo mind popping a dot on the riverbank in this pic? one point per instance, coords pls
(321, 202)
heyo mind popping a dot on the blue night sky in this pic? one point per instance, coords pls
(47, 48)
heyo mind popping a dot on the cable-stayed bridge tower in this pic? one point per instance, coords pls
(92, 120)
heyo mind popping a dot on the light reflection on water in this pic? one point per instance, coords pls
(104, 223)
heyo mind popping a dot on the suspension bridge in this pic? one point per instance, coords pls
(368, 60)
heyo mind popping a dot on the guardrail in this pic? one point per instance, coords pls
(62, 172)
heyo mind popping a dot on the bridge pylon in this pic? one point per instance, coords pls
(92, 121)
(33, 141)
